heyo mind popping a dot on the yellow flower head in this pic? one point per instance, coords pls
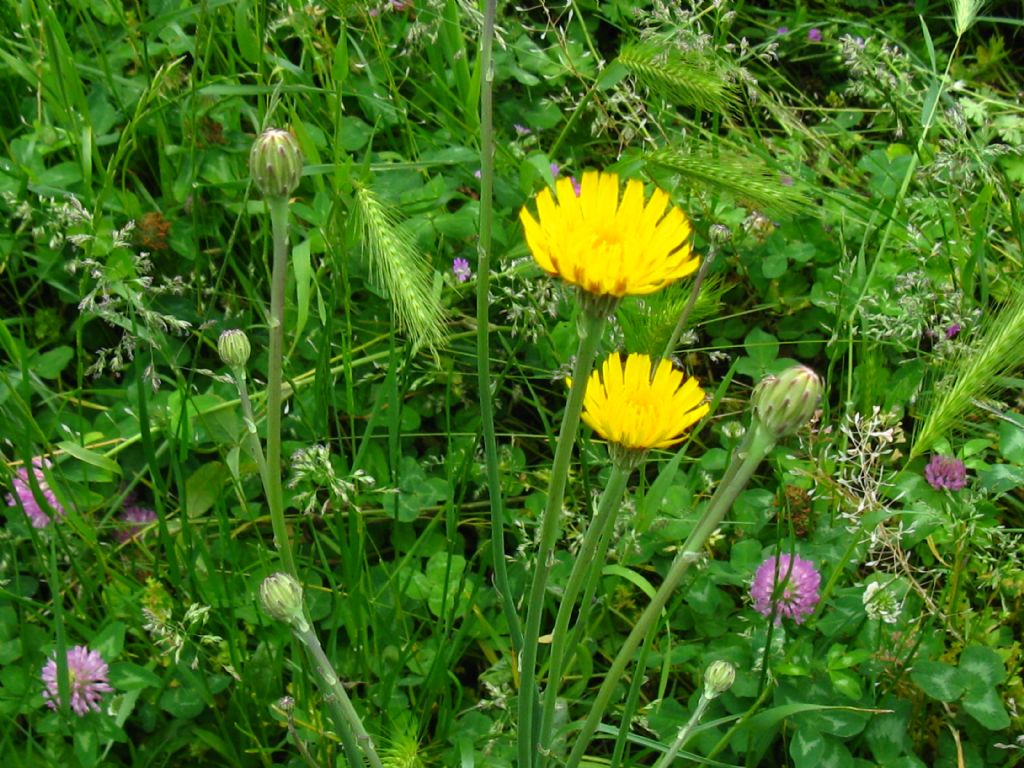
(606, 246)
(627, 407)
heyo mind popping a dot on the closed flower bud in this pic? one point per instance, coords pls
(718, 678)
(234, 348)
(281, 597)
(786, 402)
(275, 163)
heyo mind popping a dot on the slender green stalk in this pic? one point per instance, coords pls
(275, 493)
(756, 445)
(483, 328)
(251, 435)
(354, 738)
(684, 733)
(632, 698)
(685, 315)
(590, 336)
(585, 566)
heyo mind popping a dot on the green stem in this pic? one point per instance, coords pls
(252, 437)
(275, 363)
(632, 698)
(705, 265)
(756, 445)
(724, 741)
(483, 328)
(585, 565)
(590, 336)
(356, 740)
(684, 732)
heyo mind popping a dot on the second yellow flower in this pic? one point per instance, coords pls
(627, 406)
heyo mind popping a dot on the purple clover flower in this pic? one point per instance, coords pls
(953, 331)
(38, 514)
(786, 585)
(946, 472)
(814, 35)
(133, 520)
(461, 270)
(87, 676)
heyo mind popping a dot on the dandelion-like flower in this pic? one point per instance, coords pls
(133, 520)
(633, 410)
(787, 585)
(41, 515)
(87, 680)
(607, 245)
(946, 472)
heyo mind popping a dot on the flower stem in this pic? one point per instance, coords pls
(586, 564)
(250, 426)
(684, 733)
(590, 336)
(684, 317)
(483, 328)
(272, 479)
(756, 445)
(354, 738)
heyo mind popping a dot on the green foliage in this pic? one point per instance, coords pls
(859, 195)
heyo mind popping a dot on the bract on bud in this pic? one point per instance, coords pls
(275, 163)
(718, 678)
(234, 348)
(281, 597)
(786, 402)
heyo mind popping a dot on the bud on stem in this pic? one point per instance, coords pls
(786, 402)
(275, 163)
(281, 597)
(234, 348)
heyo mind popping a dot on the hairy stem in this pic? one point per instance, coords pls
(483, 328)
(585, 566)
(590, 335)
(354, 738)
(755, 447)
(275, 493)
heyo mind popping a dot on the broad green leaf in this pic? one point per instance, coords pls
(51, 364)
(126, 676)
(203, 487)
(886, 734)
(807, 748)
(982, 667)
(847, 684)
(87, 746)
(987, 708)
(938, 680)
(184, 703)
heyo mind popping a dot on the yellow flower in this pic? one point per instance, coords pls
(627, 407)
(606, 246)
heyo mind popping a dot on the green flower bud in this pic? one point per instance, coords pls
(281, 597)
(786, 402)
(234, 349)
(275, 163)
(718, 678)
